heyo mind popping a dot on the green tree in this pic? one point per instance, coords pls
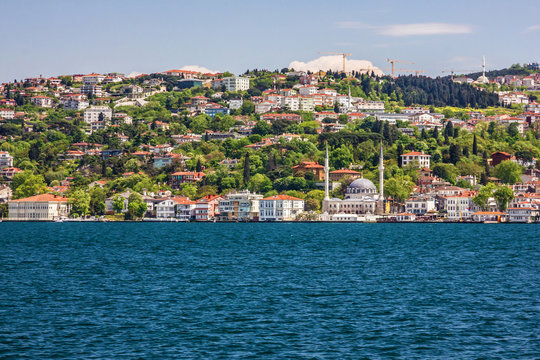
(246, 169)
(80, 202)
(97, 201)
(503, 195)
(475, 146)
(399, 187)
(447, 172)
(484, 194)
(188, 190)
(136, 206)
(25, 184)
(259, 183)
(118, 204)
(508, 171)
(262, 128)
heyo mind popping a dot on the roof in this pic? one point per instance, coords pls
(43, 197)
(344, 171)
(282, 197)
(415, 153)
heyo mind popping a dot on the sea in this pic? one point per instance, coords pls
(269, 291)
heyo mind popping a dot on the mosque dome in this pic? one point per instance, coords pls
(482, 79)
(361, 186)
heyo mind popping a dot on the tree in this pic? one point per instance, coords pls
(198, 167)
(262, 128)
(484, 194)
(136, 206)
(188, 190)
(508, 171)
(80, 202)
(503, 195)
(25, 184)
(513, 130)
(259, 183)
(399, 187)
(246, 169)
(247, 108)
(97, 201)
(447, 172)
(475, 146)
(118, 204)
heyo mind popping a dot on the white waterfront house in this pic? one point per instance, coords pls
(39, 208)
(280, 208)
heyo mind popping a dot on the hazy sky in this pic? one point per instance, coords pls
(65, 37)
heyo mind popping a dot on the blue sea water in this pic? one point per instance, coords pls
(269, 291)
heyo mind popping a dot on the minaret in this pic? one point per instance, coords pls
(350, 102)
(326, 170)
(381, 182)
(483, 67)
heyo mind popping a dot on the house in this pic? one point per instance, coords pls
(500, 156)
(7, 113)
(523, 214)
(9, 172)
(74, 101)
(207, 208)
(215, 109)
(185, 177)
(166, 209)
(180, 139)
(185, 209)
(418, 158)
(95, 90)
(337, 175)
(481, 216)
(239, 206)
(42, 101)
(6, 160)
(460, 206)
(5, 193)
(43, 207)
(235, 83)
(280, 208)
(235, 104)
(419, 205)
(310, 166)
(109, 201)
(405, 217)
(284, 116)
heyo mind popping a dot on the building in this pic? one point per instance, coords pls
(185, 177)
(43, 207)
(500, 156)
(419, 205)
(523, 214)
(6, 160)
(337, 175)
(418, 158)
(42, 101)
(309, 166)
(95, 90)
(236, 83)
(93, 79)
(92, 114)
(460, 207)
(7, 113)
(240, 206)
(280, 208)
(207, 208)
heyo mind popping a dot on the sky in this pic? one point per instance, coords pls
(58, 37)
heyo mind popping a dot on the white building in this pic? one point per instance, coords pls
(6, 160)
(523, 214)
(280, 208)
(92, 89)
(419, 158)
(42, 101)
(240, 206)
(460, 207)
(93, 79)
(419, 205)
(235, 103)
(7, 113)
(236, 83)
(370, 106)
(38, 208)
(307, 90)
(92, 114)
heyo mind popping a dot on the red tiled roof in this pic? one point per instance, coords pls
(43, 197)
(281, 197)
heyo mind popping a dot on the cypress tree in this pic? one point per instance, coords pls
(474, 146)
(246, 169)
(399, 153)
(198, 167)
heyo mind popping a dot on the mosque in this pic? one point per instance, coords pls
(362, 197)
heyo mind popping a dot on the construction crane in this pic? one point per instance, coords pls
(452, 72)
(413, 71)
(397, 61)
(342, 54)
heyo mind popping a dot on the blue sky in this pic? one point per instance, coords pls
(66, 37)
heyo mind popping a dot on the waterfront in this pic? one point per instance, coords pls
(164, 290)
